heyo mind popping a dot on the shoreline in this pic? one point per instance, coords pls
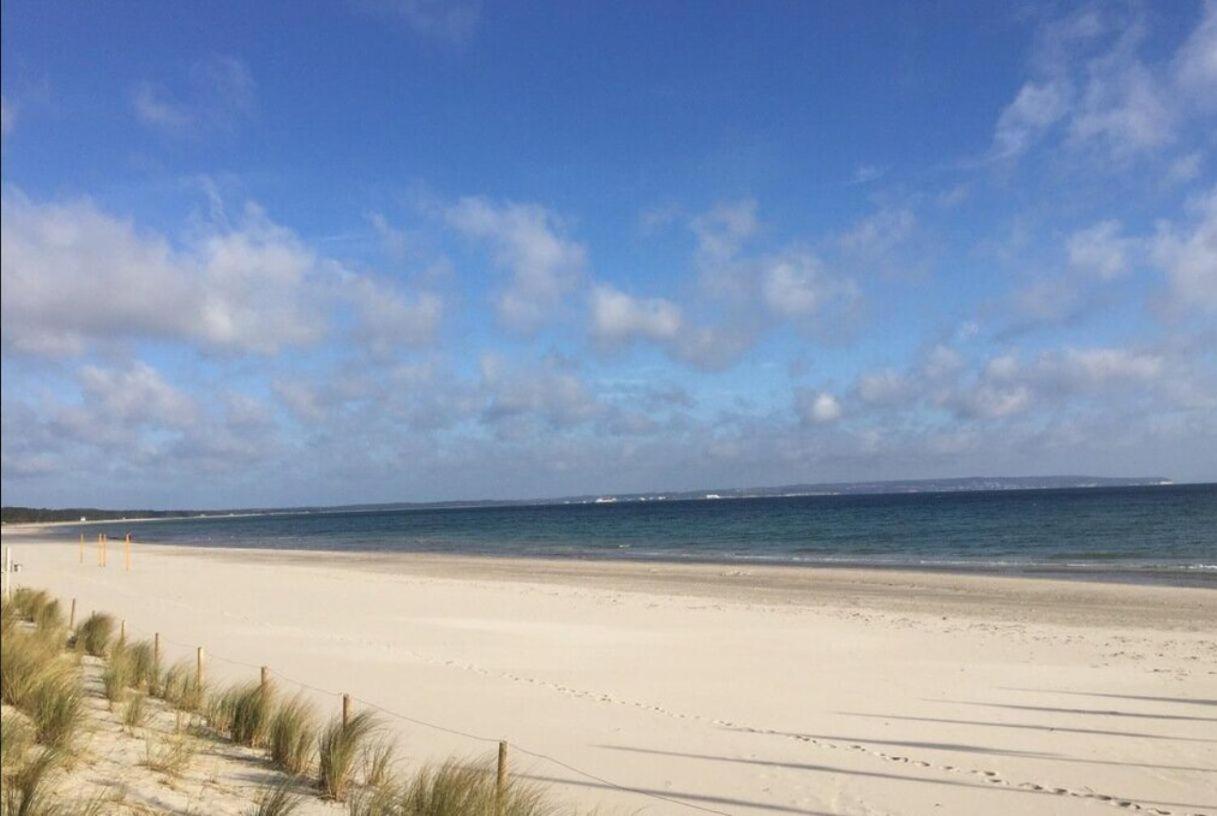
(1015, 597)
(1198, 576)
(751, 691)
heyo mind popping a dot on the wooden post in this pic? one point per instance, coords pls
(72, 616)
(105, 550)
(122, 630)
(199, 672)
(82, 548)
(346, 709)
(500, 784)
(156, 648)
(265, 678)
(127, 552)
(99, 563)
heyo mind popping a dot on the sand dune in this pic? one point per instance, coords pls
(743, 691)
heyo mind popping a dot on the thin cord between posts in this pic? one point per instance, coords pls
(458, 733)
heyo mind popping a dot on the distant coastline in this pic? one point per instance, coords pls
(26, 516)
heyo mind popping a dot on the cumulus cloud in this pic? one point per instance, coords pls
(798, 286)
(135, 395)
(217, 94)
(527, 241)
(819, 408)
(618, 317)
(74, 274)
(76, 277)
(1187, 255)
(390, 318)
(1099, 251)
(740, 293)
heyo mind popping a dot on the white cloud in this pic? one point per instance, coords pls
(618, 317)
(526, 240)
(390, 318)
(451, 21)
(1099, 251)
(1035, 108)
(1188, 257)
(798, 286)
(136, 395)
(820, 408)
(1123, 107)
(519, 396)
(220, 92)
(722, 232)
(883, 388)
(1090, 77)
(76, 277)
(1196, 62)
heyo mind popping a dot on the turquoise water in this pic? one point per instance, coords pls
(1160, 533)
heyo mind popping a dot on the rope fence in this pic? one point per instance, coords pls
(266, 671)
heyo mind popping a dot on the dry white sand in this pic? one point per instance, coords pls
(739, 690)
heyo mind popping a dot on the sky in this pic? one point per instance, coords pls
(308, 253)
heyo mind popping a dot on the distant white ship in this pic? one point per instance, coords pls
(606, 500)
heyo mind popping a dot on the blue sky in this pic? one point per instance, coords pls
(405, 250)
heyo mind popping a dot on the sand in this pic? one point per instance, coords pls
(737, 690)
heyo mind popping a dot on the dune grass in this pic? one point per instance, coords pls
(279, 800)
(170, 754)
(16, 737)
(26, 659)
(36, 606)
(253, 708)
(451, 789)
(143, 664)
(179, 687)
(94, 634)
(378, 763)
(57, 710)
(293, 736)
(116, 676)
(136, 712)
(39, 680)
(243, 712)
(338, 748)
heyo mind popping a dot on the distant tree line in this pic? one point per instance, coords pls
(43, 515)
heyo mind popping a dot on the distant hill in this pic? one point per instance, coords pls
(39, 515)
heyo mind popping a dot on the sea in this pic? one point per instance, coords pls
(1153, 534)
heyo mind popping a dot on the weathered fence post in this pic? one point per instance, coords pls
(346, 709)
(500, 783)
(265, 678)
(72, 615)
(122, 631)
(127, 552)
(156, 648)
(199, 664)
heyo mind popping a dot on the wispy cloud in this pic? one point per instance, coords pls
(216, 95)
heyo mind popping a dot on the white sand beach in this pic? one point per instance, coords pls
(741, 690)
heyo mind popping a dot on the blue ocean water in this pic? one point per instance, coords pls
(1158, 533)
